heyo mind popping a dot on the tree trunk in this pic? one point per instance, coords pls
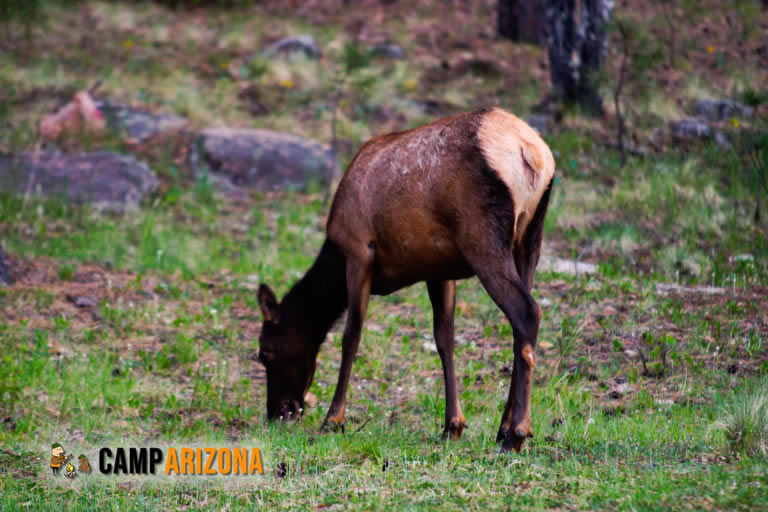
(507, 14)
(522, 20)
(561, 44)
(594, 17)
(576, 53)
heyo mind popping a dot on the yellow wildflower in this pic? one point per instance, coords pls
(710, 49)
(410, 84)
(286, 83)
(735, 122)
(127, 44)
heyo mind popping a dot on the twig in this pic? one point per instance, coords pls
(33, 174)
(642, 356)
(671, 27)
(362, 426)
(92, 89)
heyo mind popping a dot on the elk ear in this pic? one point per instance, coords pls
(268, 303)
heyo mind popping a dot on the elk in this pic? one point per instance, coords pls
(462, 196)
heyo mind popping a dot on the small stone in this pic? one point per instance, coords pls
(691, 129)
(541, 123)
(615, 394)
(299, 43)
(720, 110)
(571, 267)
(310, 400)
(81, 301)
(391, 51)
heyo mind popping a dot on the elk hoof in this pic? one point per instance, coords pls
(454, 428)
(513, 440)
(333, 425)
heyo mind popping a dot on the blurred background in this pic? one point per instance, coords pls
(655, 110)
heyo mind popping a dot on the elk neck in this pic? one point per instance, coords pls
(320, 297)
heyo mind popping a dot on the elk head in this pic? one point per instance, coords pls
(289, 358)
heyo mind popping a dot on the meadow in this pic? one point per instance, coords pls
(650, 389)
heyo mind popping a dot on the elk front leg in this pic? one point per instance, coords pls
(358, 292)
(442, 294)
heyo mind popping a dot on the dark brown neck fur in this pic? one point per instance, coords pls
(320, 297)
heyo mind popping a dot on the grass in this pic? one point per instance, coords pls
(644, 398)
(167, 357)
(745, 422)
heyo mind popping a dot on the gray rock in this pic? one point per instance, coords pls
(6, 274)
(81, 301)
(266, 160)
(720, 110)
(691, 129)
(139, 126)
(106, 180)
(562, 266)
(391, 51)
(299, 43)
(541, 123)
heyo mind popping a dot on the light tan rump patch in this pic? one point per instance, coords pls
(521, 158)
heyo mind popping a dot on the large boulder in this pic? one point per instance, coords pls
(266, 160)
(106, 180)
(139, 126)
(720, 110)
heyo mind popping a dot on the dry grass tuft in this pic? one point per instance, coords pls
(745, 422)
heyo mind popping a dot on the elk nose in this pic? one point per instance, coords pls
(290, 410)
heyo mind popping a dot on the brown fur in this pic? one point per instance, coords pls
(462, 196)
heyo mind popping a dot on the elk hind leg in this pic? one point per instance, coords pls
(442, 294)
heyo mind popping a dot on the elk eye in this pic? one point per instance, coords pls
(265, 356)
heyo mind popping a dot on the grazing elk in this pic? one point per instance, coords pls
(463, 196)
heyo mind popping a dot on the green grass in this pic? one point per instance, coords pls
(167, 358)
